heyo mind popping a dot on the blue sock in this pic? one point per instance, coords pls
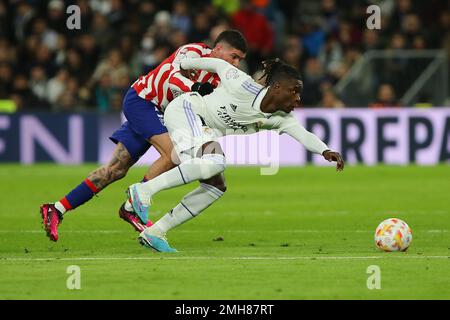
(81, 194)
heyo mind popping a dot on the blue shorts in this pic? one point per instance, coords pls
(144, 122)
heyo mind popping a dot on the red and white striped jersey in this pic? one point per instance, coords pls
(165, 83)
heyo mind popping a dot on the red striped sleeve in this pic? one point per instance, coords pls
(201, 44)
(153, 91)
(196, 50)
(215, 82)
(160, 90)
(169, 95)
(180, 84)
(207, 77)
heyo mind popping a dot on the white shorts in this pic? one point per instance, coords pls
(187, 130)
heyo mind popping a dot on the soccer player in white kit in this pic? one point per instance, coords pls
(239, 105)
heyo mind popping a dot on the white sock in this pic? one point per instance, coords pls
(190, 206)
(128, 206)
(60, 207)
(190, 170)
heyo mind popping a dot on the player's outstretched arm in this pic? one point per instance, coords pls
(310, 141)
(209, 64)
(230, 76)
(336, 157)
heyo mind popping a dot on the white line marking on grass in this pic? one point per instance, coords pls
(217, 231)
(220, 258)
(65, 231)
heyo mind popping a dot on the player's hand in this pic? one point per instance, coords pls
(336, 157)
(202, 88)
(190, 74)
(193, 74)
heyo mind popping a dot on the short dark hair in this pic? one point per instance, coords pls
(234, 38)
(276, 69)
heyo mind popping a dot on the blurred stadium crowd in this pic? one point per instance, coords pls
(46, 66)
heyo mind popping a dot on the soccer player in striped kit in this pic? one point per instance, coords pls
(143, 106)
(238, 106)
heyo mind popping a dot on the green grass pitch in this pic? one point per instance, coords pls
(305, 233)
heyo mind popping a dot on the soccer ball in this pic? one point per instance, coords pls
(393, 235)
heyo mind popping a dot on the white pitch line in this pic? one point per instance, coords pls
(65, 231)
(219, 258)
(216, 231)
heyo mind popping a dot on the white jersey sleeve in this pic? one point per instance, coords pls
(241, 90)
(177, 82)
(233, 79)
(289, 125)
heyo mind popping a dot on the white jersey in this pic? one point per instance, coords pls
(235, 106)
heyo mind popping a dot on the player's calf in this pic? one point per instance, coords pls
(97, 180)
(206, 167)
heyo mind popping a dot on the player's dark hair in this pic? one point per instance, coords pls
(275, 70)
(234, 38)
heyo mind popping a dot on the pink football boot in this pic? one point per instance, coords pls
(133, 219)
(51, 218)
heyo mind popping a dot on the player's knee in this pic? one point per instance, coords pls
(220, 185)
(217, 182)
(212, 165)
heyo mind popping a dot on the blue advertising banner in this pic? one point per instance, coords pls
(48, 137)
(366, 136)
